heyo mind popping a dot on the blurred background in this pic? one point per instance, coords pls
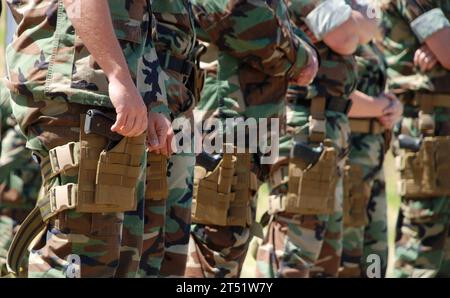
(249, 266)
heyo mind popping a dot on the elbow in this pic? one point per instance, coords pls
(345, 45)
(446, 62)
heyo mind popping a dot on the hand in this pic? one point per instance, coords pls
(308, 72)
(131, 111)
(159, 134)
(393, 113)
(424, 58)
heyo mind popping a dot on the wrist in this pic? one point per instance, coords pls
(120, 75)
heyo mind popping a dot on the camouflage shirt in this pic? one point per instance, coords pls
(175, 37)
(47, 60)
(257, 52)
(371, 70)
(337, 74)
(406, 24)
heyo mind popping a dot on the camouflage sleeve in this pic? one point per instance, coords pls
(174, 27)
(257, 32)
(424, 16)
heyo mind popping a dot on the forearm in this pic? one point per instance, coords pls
(365, 106)
(94, 26)
(439, 45)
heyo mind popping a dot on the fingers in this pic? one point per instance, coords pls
(139, 124)
(391, 96)
(170, 137)
(152, 137)
(120, 122)
(424, 59)
(416, 57)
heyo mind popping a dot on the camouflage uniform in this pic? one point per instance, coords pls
(19, 175)
(167, 221)
(245, 78)
(53, 80)
(422, 248)
(367, 152)
(293, 242)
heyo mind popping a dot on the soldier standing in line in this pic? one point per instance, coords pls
(365, 208)
(86, 59)
(305, 202)
(19, 175)
(415, 43)
(252, 53)
(168, 195)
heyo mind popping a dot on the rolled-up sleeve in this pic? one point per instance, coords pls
(327, 16)
(429, 23)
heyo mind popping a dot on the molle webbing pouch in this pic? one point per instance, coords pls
(156, 186)
(212, 192)
(117, 175)
(312, 191)
(223, 196)
(245, 185)
(356, 197)
(425, 173)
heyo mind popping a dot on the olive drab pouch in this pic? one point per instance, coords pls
(356, 197)
(212, 192)
(425, 173)
(312, 190)
(156, 186)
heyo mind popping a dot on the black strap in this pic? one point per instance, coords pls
(169, 62)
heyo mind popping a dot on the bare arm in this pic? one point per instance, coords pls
(365, 106)
(94, 26)
(357, 30)
(439, 44)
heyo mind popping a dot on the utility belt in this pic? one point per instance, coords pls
(356, 197)
(366, 126)
(223, 189)
(108, 167)
(335, 104)
(429, 99)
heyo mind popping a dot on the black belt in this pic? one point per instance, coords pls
(335, 104)
(182, 66)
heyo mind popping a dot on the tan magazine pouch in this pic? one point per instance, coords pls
(425, 173)
(313, 191)
(356, 197)
(156, 186)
